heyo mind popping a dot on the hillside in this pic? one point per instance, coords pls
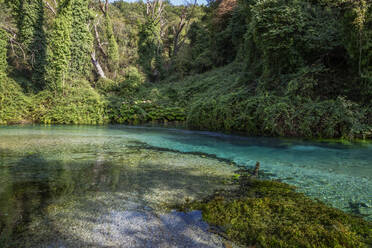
(272, 67)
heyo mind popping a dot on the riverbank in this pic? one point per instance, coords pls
(213, 101)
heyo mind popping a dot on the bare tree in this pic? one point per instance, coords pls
(154, 10)
(93, 57)
(187, 13)
(97, 65)
(104, 7)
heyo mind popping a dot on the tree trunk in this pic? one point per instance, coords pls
(96, 64)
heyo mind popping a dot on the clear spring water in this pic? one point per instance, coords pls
(89, 160)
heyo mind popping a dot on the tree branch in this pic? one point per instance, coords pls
(13, 41)
(96, 64)
(48, 6)
(99, 41)
(104, 6)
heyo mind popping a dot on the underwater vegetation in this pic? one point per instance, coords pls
(265, 213)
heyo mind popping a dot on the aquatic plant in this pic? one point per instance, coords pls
(266, 213)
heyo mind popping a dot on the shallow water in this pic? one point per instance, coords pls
(64, 179)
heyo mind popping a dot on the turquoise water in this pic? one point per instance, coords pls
(340, 175)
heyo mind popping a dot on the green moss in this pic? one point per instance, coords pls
(272, 214)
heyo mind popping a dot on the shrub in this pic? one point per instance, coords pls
(105, 85)
(138, 112)
(14, 104)
(132, 82)
(79, 104)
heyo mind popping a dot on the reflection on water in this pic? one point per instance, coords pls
(55, 186)
(58, 179)
(30, 184)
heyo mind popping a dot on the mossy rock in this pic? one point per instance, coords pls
(266, 213)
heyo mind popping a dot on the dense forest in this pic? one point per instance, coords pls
(258, 67)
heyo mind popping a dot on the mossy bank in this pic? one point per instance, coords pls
(264, 213)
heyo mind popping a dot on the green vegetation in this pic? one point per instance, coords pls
(80, 104)
(271, 67)
(14, 105)
(217, 101)
(29, 18)
(59, 48)
(3, 50)
(257, 67)
(81, 39)
(112, 50)
(271, 214)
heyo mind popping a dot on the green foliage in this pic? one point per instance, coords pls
(296, 68)
(138, 112)
(29, 17)
(59, 48)
(276, 27)
(79, 104)
(126, 86)
(81, 39)
(272, 214)
(201, 57)
(14, 105)
(134, 77)
(3, 52)
(38, 47)
(132, 82)
(104, 85)
(149, 49)
(112, 49)
(218, 101)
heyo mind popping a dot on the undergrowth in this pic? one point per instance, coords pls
(219, 100)
(14, 104)
(79, 104)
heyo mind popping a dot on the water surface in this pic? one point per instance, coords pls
(62, 179)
